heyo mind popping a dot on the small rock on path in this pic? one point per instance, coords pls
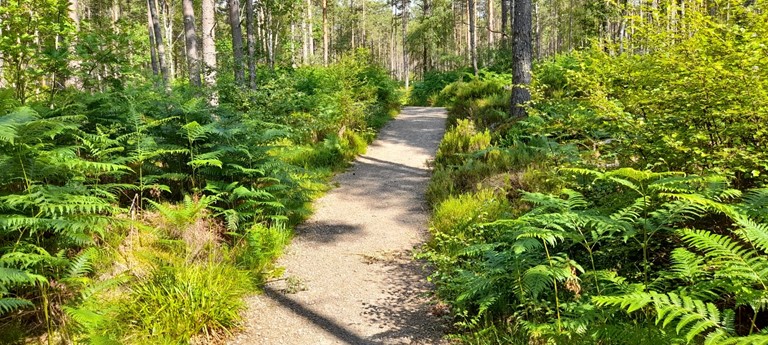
(349, 274)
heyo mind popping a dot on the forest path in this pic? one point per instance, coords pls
(349, 273)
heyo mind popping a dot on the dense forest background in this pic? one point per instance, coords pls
(602, 180)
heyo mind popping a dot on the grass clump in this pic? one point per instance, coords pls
(177, 303)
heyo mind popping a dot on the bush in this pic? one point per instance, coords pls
(459, 142)
(426, 91)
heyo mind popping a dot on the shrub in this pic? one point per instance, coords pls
(425, 91)
(459, 142)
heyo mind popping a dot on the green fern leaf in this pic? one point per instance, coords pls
(8, 305)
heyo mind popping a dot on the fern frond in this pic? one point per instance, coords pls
(630, 302)
(81, 264)
(8, 304)
(9, 123)
(721, 338)
(692, 315)
(732, 260)
(753, 232)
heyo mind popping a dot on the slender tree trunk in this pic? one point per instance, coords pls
(270, 39)
(326, 41)
(237, 41)
(2, 58)
(73, 64)
(491, 22)
(425, 52)
(304, 41)
(311, 29)
(152, 45)
(365, 32)
(473, 34)
(522, 58)
(158, 40)
(293, 43)
(167, 16)
(209, 47)
(261, 32)
(504, 21)
(190, 39)
(538, 29)
(406, 66)
(251, 42)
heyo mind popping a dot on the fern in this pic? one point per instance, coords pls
(690, 316)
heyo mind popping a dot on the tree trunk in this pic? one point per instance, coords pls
(304, 41)
(158, 40)
(473, 34)
(190, 39)
(237, 41)
(504, 21)
(73, 64)
(491, 22)
(311, 30)
(406, 67)
(2, 59)
(522, 56)
(167, 17)
(152, 45)
(425, 53)
(251, 42)
(270, 39)
(325, 33)
(209, 47)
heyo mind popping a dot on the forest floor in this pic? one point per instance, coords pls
(350, 276)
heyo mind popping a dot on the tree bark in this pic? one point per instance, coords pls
(490, 16)
(522, 58)
(73, 64)
(158, 35)
(190, 39)
(251, 42)
(2, 59)
(326, 41)
(152, 45)
(504, 21)
(305, 40)
(406, 68)
(472, 11)
(167, 20)
(209, 47)
(425, 52)
(311, 30)
(237, 41)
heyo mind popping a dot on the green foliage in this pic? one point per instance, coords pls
(176, 303)
(256, 249)
(426, 91)
(689, 106)
(636, 191)
(556, 265)
(460, 141)
(483, 99)
(183, 194)
(464, 159)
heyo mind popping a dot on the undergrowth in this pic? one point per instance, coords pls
(629, 207)
(144, 215)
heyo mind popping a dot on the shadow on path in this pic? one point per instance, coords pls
(333, 328)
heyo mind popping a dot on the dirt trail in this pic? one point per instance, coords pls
(349, 273)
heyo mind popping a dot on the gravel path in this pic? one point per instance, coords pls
(349, 273)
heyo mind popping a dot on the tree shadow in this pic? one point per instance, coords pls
(325, 232)
(338, 331)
